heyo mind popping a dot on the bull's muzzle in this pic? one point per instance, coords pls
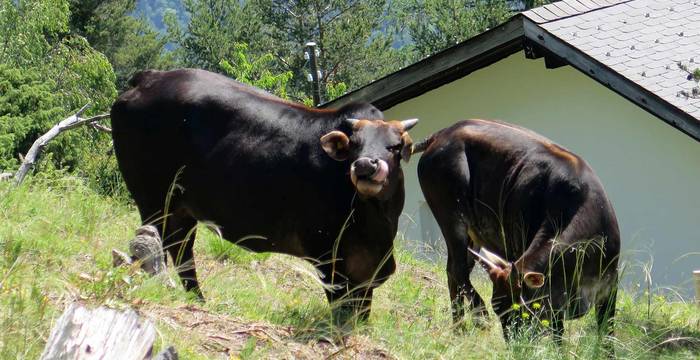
(369, 175)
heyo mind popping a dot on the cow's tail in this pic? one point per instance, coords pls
(420, 146)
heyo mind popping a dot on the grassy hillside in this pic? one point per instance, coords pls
(55, 242)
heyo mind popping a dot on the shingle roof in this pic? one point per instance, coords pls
(643, 40)
(633, 47)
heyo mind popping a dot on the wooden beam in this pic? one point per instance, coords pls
(552, 61)
(614, 80)
(441, 68)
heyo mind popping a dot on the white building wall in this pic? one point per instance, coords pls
(650, 170)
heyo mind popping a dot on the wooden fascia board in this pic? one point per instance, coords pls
(441, 68)
(614, 80)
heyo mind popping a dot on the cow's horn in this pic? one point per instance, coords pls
(408, 124)
(483, 260)
(495, 258)
(352, 122)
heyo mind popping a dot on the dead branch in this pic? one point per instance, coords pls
(68, 123)
(100, 127)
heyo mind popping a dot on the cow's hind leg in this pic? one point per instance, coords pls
(460, 263)
(178, 240)
(444, 181)
(605, 316)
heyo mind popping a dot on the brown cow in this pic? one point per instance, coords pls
(319, 184)
(539, 212)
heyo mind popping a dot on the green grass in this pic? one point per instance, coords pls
(55, 242)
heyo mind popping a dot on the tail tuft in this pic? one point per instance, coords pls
(422, 145)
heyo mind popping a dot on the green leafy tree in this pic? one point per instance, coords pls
(155, 11)
(28, 29)
(529, 4)
(255, 72)
(353, 48)
(46, 74)
(131, 44)
(434, 25)
(214, 32)
(27, 104)
(225, 36)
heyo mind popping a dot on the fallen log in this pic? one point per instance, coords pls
(68, 123)
(102, 333)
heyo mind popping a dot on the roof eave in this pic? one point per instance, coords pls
(613, 80)
(493, 45)
(441, 68)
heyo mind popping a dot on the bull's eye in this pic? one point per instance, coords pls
(396, 149)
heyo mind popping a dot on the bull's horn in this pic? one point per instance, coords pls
(408, 124)
(495, 258)
(483, 260)
(352, 122)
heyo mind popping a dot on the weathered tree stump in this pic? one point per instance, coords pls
(146, 249)
(102, 333)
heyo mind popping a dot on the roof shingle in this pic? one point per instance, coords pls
(643, 40)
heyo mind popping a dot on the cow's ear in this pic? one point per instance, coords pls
(407, 148)
(336, 144)
(533, 280)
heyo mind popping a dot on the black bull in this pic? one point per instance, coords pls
(549, 233)
(272, 175)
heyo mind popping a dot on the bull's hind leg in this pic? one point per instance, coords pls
(459, 265)
(605, 316)
(444, 181)
(177, 232)
(178, 239)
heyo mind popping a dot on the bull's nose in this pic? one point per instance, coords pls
(365, 167)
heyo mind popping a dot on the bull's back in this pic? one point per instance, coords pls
(233, 150)
(509, 180)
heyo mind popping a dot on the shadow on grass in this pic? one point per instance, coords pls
(661, 338)
(318, 323)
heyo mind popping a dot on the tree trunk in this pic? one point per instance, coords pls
(102, 333)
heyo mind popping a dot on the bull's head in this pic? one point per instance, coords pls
(374, 149)
(517, 294)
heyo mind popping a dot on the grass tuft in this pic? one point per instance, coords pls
(55, 241)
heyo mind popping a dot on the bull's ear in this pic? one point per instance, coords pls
(533, 280)
(407, 148)
(336, 144)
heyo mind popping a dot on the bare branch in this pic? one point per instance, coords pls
(68, 123)
(100, 127)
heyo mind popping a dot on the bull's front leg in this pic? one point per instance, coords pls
(346, 299)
